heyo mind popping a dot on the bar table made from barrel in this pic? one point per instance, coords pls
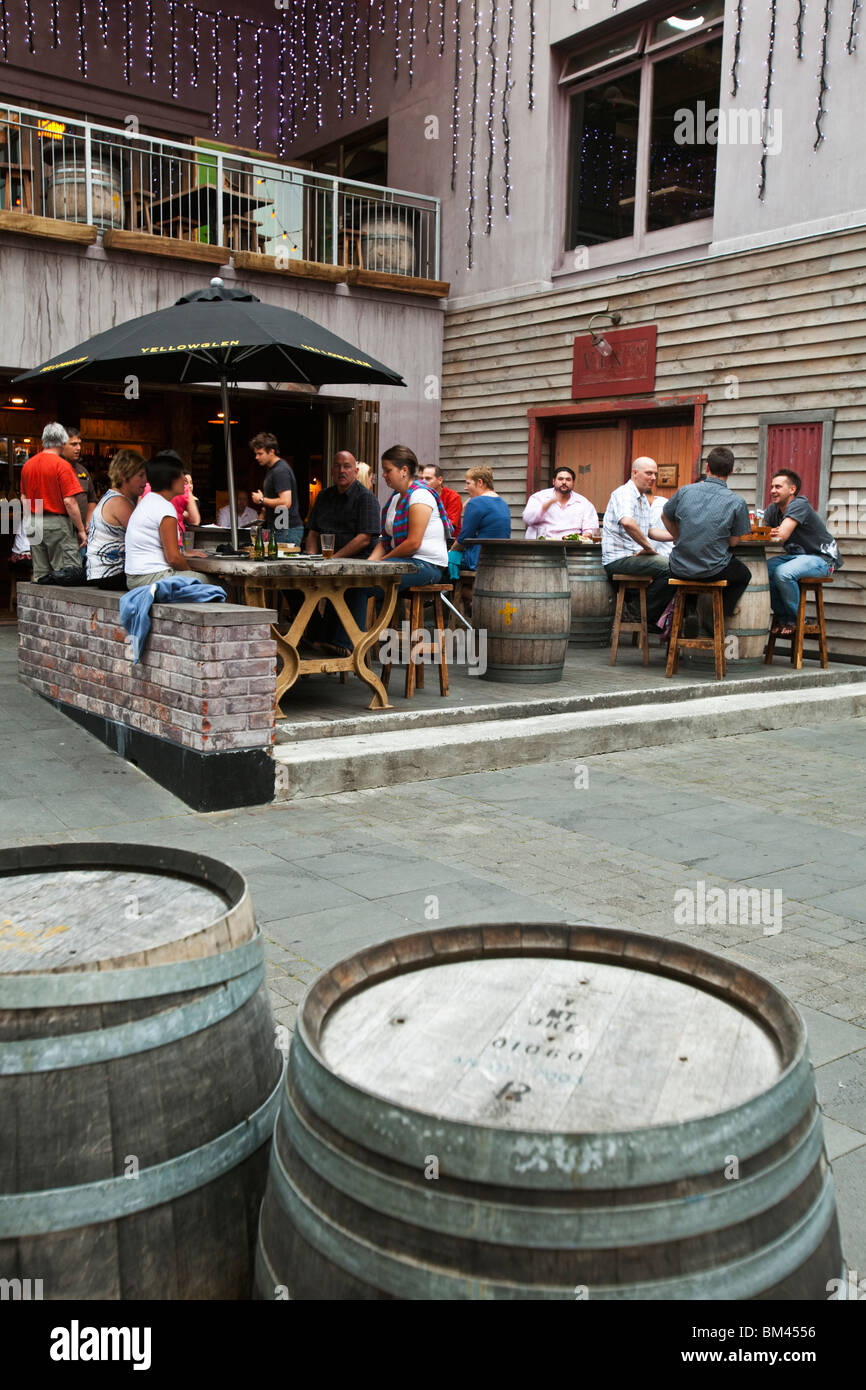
(138, 1074)
(522, 601)
(750, 621)
(593, 597)
(749, 624)
(547, 1112)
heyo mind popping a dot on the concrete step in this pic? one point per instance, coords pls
(532, 705)
(319, 767)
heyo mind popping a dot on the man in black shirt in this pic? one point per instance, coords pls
(279, 495)
(348, 511)
(811, 551)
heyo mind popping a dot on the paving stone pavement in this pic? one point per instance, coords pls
(613, 839)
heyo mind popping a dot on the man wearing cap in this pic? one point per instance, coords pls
(559, 511)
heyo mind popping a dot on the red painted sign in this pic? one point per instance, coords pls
(630, 369)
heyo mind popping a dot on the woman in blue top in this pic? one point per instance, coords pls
(485, 515)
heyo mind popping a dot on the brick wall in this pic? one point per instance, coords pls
(206, 680)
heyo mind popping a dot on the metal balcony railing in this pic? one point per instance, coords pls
(109, 177)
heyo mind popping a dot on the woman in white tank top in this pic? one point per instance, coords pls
(106, 535)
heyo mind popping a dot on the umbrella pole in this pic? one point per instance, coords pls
(230, 469)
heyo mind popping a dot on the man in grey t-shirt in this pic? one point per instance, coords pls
(705, 520)
(811, 551)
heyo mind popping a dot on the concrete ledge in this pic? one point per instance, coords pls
(535, 706)
(193, 614)
(319, 767)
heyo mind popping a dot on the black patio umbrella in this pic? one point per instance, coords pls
(218, 334)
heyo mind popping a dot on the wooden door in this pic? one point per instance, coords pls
(598, 457)
(798, 447)
(671, 447)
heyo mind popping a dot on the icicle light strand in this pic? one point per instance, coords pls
(735, 65)
(798, 28)
(473, 134)
(823, 88)
(455, 101)
(506, 108)
(28, 25)
(853, 34)
(491, 118)
(532, 55)
(765, 106)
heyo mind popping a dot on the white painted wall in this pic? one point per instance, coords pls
(804, 187)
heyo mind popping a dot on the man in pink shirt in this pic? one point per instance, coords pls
(559, 511)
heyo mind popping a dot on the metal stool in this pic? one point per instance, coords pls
(638, 630)
(714, 644)
(414, 601)
(802, 629)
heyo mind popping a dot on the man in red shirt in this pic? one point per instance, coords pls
(433, 478)
(51, 491)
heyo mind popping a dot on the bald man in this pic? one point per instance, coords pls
(347, 511)
(628, 532)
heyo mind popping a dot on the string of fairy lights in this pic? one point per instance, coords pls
(272, 76)
(765, 104)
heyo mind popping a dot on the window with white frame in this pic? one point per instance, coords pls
(642, 149)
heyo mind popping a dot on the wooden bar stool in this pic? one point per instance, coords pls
(802, 629)
(414, 600)
(463, 591)
(714, 644)
(639, 632)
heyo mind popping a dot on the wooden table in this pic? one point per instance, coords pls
(196, 208)
(261, 581)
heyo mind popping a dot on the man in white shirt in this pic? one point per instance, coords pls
(247, 515)
(559, 511)
(626, 535)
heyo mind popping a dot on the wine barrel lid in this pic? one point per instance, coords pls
(539, 1044)
(78, 906)
(524, 1051)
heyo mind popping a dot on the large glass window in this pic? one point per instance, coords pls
(642, 152)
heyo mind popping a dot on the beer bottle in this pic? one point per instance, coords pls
(272, 545)
(260, 544)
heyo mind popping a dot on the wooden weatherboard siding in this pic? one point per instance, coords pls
(760, 332)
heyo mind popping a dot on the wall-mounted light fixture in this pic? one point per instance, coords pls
(599, 342)
(19, 403)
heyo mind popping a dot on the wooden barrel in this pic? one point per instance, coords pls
(522, 602)
(387, 244)
(593, 597)
(66, 192)
(746, 629)
(749, 623)
(138, 1073)
(547, 1112)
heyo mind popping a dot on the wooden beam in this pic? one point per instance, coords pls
(116, 240)
(405, 284)
(305, 270)
(51, 227)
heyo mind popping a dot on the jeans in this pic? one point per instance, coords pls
(738, 578)
(785, 570)
(356, 599)
(658, 595)
(293, 536)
